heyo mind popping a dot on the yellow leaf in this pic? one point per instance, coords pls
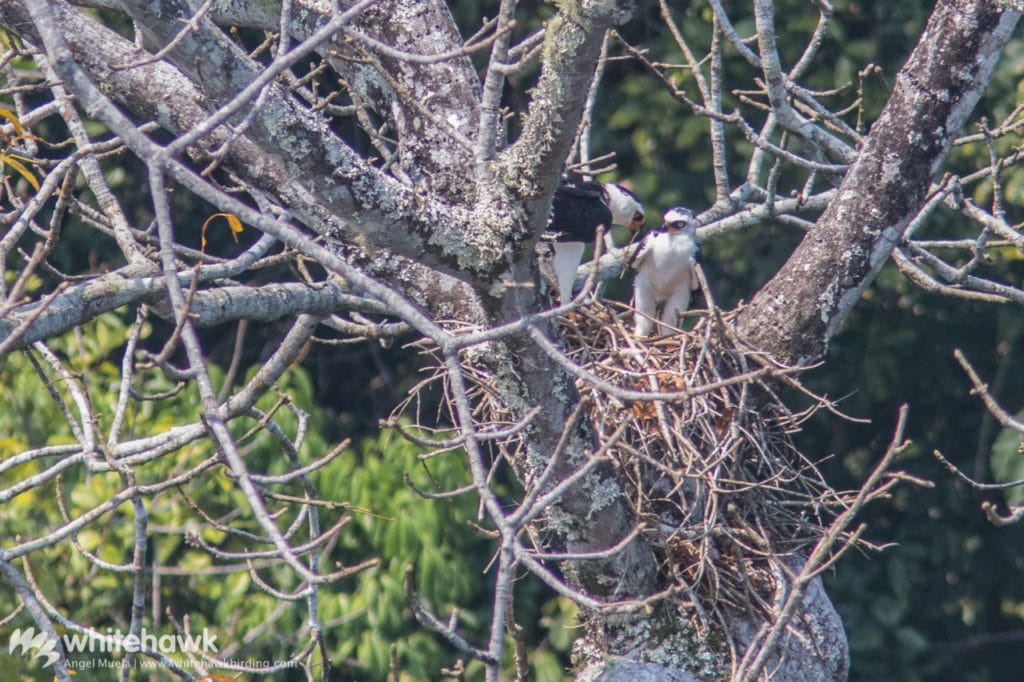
(233, 222)
(21, 169)
(13, 118)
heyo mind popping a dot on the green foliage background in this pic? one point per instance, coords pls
(945, 602)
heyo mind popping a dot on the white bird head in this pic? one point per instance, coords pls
(680, 219)
(625, 207)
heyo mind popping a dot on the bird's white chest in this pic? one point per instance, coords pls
(668, 263)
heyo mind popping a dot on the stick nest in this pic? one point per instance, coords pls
(712, 471)
(703, 446)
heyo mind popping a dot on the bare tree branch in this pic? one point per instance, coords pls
(803, 306)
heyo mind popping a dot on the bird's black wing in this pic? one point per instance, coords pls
(583, 189)
(577, 210)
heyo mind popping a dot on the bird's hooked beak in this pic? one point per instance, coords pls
(637, 223)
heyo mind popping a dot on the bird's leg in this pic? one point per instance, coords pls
(675, 306)
(567, 259)
(646, 308)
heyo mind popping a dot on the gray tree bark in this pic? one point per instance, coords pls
(795, 314)
(464, 250)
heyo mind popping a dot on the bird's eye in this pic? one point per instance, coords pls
(638, 217)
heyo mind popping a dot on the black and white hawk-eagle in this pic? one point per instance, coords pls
(665, 263)
(578, 209)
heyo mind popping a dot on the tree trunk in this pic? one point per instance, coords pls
(796, 313)
(463, 250)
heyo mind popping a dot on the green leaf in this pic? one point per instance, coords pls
(1007, 461)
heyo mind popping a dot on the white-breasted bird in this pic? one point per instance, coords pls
(578, 209)
(665, 263)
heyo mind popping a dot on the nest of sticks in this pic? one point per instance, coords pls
(694, 425)
(707, 455)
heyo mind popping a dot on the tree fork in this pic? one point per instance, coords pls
(796, 313)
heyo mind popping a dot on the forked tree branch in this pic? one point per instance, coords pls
(796, 313)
